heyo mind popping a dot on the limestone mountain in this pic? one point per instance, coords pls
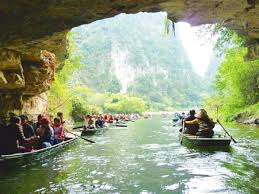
(133, 54)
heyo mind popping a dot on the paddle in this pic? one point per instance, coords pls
(78, 127)
(227, 132)
(80, 137)
(181, 141)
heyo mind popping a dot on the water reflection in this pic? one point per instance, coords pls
(145, 158)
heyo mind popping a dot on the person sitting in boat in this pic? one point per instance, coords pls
(99, 122)
(183, 116)
(61, 117)
(46, 133)
(105, 117)
(59, 134)
(191, 129)
(12, 137)
(206, 124)
(127, 118)
(89, 122)
(102, 118)
(38, 123)
(26, 127)
(109, 119)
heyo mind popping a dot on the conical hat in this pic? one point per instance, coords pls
(202, 114)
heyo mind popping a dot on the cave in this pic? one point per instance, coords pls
(33, 37)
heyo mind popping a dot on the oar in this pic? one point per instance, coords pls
(80, 137)
(78, 127)
(227, 132)
(181, 141)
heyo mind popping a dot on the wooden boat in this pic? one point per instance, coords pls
(86, 132)
(121, 125)
(175, 119)
(27, 157)
(200, 141)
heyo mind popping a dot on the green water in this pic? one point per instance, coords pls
(144, 158)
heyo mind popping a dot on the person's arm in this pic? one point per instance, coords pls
(20, 135)
(193, 122)
(32, 130)
(62, 133)
(22, 139)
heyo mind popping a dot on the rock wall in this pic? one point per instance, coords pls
(33, 34)
(247, 118)
(23, 83)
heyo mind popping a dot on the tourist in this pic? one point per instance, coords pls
(46, 133)
(99, 122)
(90, 123)
(177, 116)
(26, 127)
(109, 119)
(87, 118)
(61, 116)
(38, 123)
(191, 129)
(59, 134)
(12, 136)
(182, 116)
(206, 124)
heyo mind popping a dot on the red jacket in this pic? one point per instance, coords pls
(59, 131)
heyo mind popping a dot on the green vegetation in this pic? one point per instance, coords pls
(237, 81)
(130, 64)
(134, 55)
(61, 96)
(76, 99)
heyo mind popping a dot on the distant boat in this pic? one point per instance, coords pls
(88, 132)
(121, 125)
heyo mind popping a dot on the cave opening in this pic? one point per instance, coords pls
(142, 55)
(141, 71)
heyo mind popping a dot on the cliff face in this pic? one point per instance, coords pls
(132, 54)
(33, 35)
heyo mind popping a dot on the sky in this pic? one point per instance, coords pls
(199, 48)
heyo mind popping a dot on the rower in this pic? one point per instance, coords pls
(206, 124)
(89, 122)
(191, 129)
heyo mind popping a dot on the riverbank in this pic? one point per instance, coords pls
(248, 115)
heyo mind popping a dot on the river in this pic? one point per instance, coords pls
(144, 158)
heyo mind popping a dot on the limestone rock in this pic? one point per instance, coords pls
(3, 80)
(247, 118)
(17, 103)
(33, 24)
(39, 74)
(10, 60)
(33, 33)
